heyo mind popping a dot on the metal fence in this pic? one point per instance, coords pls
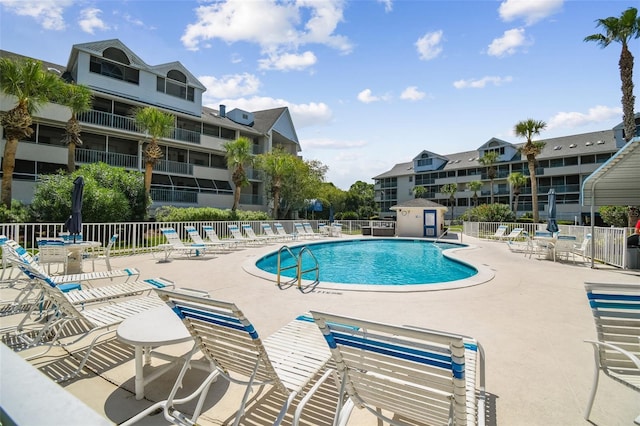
(610, 244)
(144, 237)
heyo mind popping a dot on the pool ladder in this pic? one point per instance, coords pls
(298, 265)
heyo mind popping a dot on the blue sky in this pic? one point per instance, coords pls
(369, 83)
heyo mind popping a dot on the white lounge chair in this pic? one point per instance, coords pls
(288, 359)
(197, 239)
(237, 236)
(616, 350)
(177, 245)
(425, 376)
(336, 229)
(282, 232)
(212, 236)
(309, 230)
(502, 229)
(268, 231)
(514, 234)
(250, 233)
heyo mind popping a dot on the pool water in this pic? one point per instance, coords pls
(375, 262)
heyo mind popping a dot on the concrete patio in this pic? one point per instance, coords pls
(531, 319)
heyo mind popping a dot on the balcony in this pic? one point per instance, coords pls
(128, 124)
(159, 195)
(174, 167)
(111, 158)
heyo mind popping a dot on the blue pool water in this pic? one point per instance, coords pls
(375, 261)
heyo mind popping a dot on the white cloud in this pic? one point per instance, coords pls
(366, 96)
(47, 13)
(482, 83)
(288, 61)
(429, 45)
(324, 143)
(596, 114)
(531, 11)
(275, 26)
(90, 20)
(388, 5)
(229, 86)
(412, 93)
(509, 43)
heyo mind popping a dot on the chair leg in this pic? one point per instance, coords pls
(594, 386)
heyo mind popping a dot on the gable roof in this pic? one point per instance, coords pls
(418, 202)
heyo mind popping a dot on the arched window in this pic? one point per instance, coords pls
(177, 76)
(175, 84)
(116, 55)
(115, 64)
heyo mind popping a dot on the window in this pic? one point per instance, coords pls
(424, 162)
(50, 135)
(199, 158)
(227, 133)
(112, 65)
(175, 84)
(571, 161)
(587, 159)
(211, 130)
(223, 185)
(218, 161)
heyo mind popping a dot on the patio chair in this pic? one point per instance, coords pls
(197, 239)
(177, 245)
(268, 231)
(582, 248)
(616, 312)
(103, 253)
(423, 376)
(524, 244)
(499, 232)
(564, 246)
(51, 251)
(336, 229)
(212, 237)
(309, 230)
(282, 232)
(288, 359)
(250, 233)
(514, 234)
(237, 236)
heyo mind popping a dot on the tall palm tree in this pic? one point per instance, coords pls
(157, 124)
(78, 99)
(450, 189)
(276, 164)
(419, 191)
(239, 156)
(622, 30)
(33, 87)
(528, 129)
(489, 159)
(475, 186)
(517, 180)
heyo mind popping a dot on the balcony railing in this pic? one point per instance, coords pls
(168, 166)
(159, 195)
(111, 158)
(122, 122)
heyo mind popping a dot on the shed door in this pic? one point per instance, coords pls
(430, 223)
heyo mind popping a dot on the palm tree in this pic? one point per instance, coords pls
(78, 99)
(238, 155)
(475, 186)
(157, 124)
(451, 189)
(419, 191)
(489, 159)
(527, 129)
(622, 30)
(33, 87)
(517, 180)
(276, 165)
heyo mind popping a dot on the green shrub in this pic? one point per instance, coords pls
(19, 213)
(615, 215)
(489, 213)
(203, 214)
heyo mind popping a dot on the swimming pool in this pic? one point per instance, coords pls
(375, 262)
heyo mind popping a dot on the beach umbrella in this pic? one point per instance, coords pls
(74, 223)
(552, 225)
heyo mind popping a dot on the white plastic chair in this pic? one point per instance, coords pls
(103, 253)
(52, 251)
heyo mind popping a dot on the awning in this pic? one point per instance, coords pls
(616, 182)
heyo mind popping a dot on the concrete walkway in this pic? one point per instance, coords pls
(531, 319)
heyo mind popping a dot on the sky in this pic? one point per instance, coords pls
(369, 83)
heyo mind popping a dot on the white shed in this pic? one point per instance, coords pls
(419, 218)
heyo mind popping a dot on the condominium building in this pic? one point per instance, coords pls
(562, 165)
(193, 170)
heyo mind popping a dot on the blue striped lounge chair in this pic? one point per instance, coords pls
(177, 245)
(423, 376)
(195, 237)
(288, 359)
(616, 312)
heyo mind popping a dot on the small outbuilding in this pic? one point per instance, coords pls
(419, 218)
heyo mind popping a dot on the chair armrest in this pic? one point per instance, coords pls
(628, 354)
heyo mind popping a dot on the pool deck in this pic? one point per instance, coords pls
(531, 318)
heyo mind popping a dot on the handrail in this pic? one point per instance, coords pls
(280, 269)
(316, 266)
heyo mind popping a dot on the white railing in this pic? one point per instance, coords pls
(144, 237)
(610, 244)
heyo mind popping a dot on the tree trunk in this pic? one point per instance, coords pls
(236, 198)
(491, 190)
(148, 172)
(628, 100)
(71, 158)
(531, 162)
(8, 164)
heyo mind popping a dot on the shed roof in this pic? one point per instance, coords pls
(418, 202)
(617, 181)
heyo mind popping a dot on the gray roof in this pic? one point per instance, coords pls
(401, 169)
(418, 202)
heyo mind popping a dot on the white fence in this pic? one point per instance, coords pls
(610, 243)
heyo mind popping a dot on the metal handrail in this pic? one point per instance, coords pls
(280, 268)
(315, 268)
